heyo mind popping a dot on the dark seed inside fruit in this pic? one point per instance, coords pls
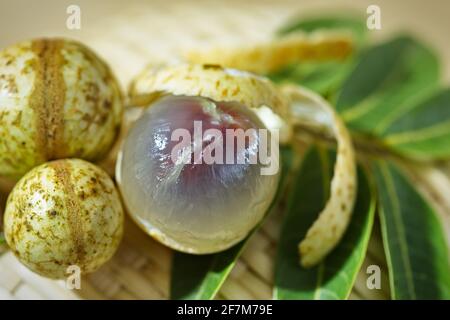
(190, 171)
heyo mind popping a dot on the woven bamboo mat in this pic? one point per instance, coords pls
(129, 39)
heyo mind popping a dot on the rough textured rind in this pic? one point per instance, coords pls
(62, 213)
(332, 222)
(210, 81)
(57, 100)
(264, 58)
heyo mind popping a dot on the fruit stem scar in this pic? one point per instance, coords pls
(62, 173)
(48, 97)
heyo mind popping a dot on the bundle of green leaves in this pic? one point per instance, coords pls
(391, 98)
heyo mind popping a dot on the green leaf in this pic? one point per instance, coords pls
(387, 82)
(3, 244)
(333, 22)
(423, 132)
(200, 277)
(413, 239)
(322, 77)
(334, 277)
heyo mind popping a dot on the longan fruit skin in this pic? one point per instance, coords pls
(58, 99)
(63, 213)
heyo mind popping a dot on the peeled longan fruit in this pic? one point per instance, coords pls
(187, 202)
(64, 213)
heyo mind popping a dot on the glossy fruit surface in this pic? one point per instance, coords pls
(188, 199)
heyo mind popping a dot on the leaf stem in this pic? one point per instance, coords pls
(2, 239)
(3, 244)
(363, 145)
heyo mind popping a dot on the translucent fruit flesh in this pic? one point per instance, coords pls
(186, 200)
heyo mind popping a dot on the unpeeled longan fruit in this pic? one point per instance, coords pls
(58, 99)
(64, 213)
